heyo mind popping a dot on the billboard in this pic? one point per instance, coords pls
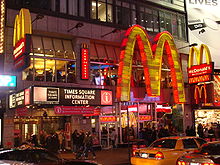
(203, 25)
(151, 58)
(8, 81)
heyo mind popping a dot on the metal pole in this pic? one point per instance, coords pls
(128, 135)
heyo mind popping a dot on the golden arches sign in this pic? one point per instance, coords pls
(199, 55)
(22, 25)
(151, 57)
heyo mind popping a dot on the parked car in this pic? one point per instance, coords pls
(38, 156)
(166, 151)
(207, 154)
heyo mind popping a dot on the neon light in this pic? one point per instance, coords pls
(199, 55)
(151, 57)
(2, 24)
(198, 94)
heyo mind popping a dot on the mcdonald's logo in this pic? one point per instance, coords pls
(151, 57)
(198, 93)
(202, 71)
(22, 39)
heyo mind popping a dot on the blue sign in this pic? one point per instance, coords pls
(8, 81)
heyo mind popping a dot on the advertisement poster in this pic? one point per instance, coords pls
(203, 25)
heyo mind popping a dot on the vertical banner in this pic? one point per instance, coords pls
(84, 58)
(203, 25)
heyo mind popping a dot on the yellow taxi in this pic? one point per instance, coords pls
(166, 151)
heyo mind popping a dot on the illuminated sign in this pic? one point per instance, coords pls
(197, 79)
(199, 89)
(8, 81)
(73, 110)
(19, 99)
(106, 119)
(22, 39)
(161, 108)
(2, 25)
(84, 62)
(77, 96)
(145, 118)
(151, 58)
(200, 72)
(46, 95)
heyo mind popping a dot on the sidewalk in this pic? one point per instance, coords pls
(115, 156)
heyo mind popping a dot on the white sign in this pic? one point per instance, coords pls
(203, 25)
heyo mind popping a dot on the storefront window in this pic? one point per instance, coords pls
(39, 69)
(50, 70)
(102, 10)
(181, 27)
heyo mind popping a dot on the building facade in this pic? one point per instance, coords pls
(62, 32)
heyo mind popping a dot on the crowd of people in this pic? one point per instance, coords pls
(82, 142)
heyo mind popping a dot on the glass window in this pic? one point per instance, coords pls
(156, 22)
(168, 22)
(37, 45)
(149, 19)
(71, 72)
(200, 141)
(48, 47)
(102, 11)
(50, 69)
(39, 69)
(81, 7)
(61, 70)
(58, 46)
(211, 149)
(162, 21)
(69, 52)
(166, 143)
(174, 25)
(63, 6)
(73, 7)
(181, 27)
(94, 8)
(28, 74)
(189, 143)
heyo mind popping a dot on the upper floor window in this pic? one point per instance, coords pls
(102, 10)
(125, 13)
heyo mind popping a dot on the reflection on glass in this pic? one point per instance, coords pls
(39, 69)
(50, 70)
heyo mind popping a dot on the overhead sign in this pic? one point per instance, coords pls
(22, 39)
(152, 61)
(165, 109)
(20, 99)
(84, 62)
(199, 71)
(107, 119)
(45, 95)
(8, 81)
(73, 110)
(77, 96)
(203, 24)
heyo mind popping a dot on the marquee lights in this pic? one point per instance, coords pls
(2, 22)
(151, 57)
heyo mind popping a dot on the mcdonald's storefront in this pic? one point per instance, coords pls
(204, 81)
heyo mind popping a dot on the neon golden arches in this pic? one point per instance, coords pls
(22, 25)
(199, 55)
(152, 63)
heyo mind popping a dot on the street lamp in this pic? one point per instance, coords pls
(113, 31)
(38, 16)
(78, 25)
(191, 45)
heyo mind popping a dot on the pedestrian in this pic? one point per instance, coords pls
(75, 139)
(200, 130)
(61, 137)
(113, 137)
(88, 141)
(211, 134)
(187, 131)
(42, 138)
(80, 145)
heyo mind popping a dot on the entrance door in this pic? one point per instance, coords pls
(106, 132)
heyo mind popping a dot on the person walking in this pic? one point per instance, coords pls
(89, 145)
(75, 139)
(113, 137)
